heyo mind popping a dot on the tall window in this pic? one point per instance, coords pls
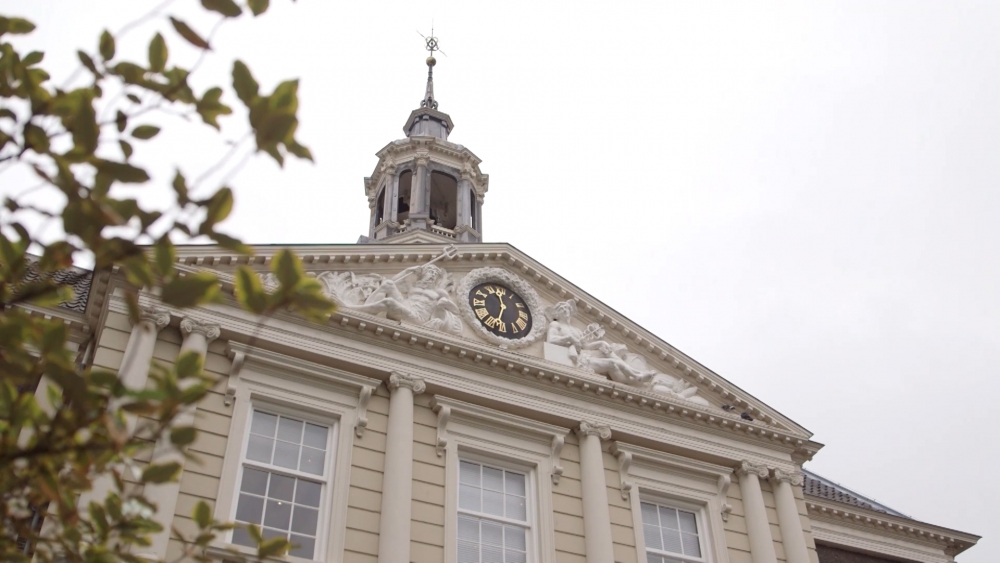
(493, 519)
(671, 534)
(284, 475)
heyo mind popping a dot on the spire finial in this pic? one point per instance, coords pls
(431, 44)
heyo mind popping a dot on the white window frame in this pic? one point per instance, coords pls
(305, 391)
(530, 524)
(676, 482)
(490, 437)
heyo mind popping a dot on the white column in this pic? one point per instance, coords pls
(397, 478)
(133, 373)
(792, 537)
(758, 529)
(197, 336)
(596, 515)
(420, 196)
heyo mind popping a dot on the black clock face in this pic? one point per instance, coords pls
(500, 310)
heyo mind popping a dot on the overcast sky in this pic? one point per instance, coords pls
(802, 196)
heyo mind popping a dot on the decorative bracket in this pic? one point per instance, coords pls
(724, 482)
(624, 463)
(444, 414)
(557, 469)
(234, 378)
(362, 422)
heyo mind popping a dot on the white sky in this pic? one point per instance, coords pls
(800, 195)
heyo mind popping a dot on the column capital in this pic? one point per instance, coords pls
(208, 330)
(422, 159)
(156, 317)
(779, 475)
(751, 468)
(397, 380)
(602, 431)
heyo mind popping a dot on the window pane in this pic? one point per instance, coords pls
(469, 473)
(312, 460)
(691, 547)
(468, 529)
(468, 498)
(304, 520)
(516, 508)
(268, 533)
(513, 538)
(492, 533)
(671, 541)
(254, 481)
(654, 558)
(250, 509)
(281, 487)
(688, 523)
(286, 455)
(668, 518)
(305, 549)
(315, 436)
(649, 515)
(492, 479)
(290, 430)
(259, 449)
(492, 502)
(492, 554)
(277, 514)
(263, 424)
(307, 492)
(468, 552)
(241, 537)
(515, 483)
(516, 556)
(652, 535)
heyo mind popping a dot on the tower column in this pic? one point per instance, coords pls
(758, 529)
(596, 516)
(419, 194)
(792, 537)
(397, 478)
(197, 337)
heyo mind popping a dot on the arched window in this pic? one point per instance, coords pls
(444, 200)
(403, 201)
(380, 207)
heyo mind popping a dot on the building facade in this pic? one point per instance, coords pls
(465, 404)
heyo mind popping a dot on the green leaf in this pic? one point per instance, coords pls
(287, 267)
(190, 290)
(258, 7)
(161, 472)
(188, 364)
(219, 206)
(209, 107)
(202, 514)
(36, 138)
(19, 26)
(227, 8)
(165, 256)
(273, 547)
(230, 243)
(145, 132)
(189, 35)
(122, 171)
(107, 46)
(33, 58)
(250, 291)
(126, 148)
(300, 151)
(246, 87)
(183, 435)
(133, 98)
(254, 532)
(157, 53)
(121, 121)
(88, 62)
(180, 188)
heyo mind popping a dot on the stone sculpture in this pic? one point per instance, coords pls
(586, 349)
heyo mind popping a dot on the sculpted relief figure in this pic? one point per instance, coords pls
(587, 350)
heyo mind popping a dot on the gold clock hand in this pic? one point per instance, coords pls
(503, 306)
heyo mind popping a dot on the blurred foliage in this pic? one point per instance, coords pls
(54, 443)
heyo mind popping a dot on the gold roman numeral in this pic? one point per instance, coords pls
(490, 289)
(480, 293)
(500, 291)
(522, 315)
(482, 312)
(521, 324)
(492, 322)
(519, 305)
(478, 302)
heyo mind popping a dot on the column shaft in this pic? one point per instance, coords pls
(758, 529)
(792, 536)
(397, 477)
(596, 516)
(197, 336)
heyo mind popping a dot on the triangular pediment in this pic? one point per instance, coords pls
(570, 331)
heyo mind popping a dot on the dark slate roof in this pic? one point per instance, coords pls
(817, 486)
(77, 278)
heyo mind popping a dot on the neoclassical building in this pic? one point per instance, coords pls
(467, 404)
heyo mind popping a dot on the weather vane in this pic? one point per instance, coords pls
(431, 44)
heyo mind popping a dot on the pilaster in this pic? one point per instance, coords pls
(596, 515)
(758, 529)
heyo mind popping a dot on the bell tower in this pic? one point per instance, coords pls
(426, 188)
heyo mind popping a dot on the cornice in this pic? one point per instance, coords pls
(888, 526)
(500, 254)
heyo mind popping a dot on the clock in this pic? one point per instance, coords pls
(500, 310)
